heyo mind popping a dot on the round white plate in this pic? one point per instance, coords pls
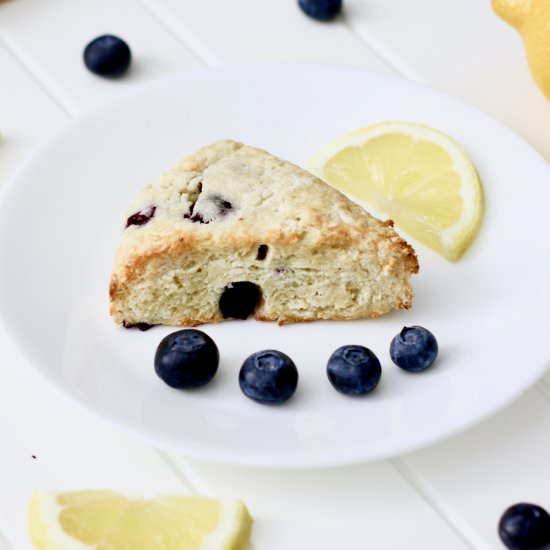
(61, 218)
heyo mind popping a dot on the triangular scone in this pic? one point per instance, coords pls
(232, 231)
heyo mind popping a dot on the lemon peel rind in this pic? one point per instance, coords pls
(45, 532)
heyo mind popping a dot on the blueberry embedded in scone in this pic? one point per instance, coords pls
(233, 231)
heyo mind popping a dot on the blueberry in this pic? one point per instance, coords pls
(268, 377)
(187, 359)
(525, 527)
(221, 205)
(322, 10)
(108, 56)
(195, 217)
(262, 252)
(209, 209)
(354, 370)
(239, 300)
(141, 217)
(140, 326)
(413, 349)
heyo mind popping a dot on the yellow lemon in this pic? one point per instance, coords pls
(531, 18)
(418, 176)
(105, 520)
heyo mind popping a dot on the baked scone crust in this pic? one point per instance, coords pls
(326, 257)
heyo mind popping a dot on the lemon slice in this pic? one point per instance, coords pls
(418, 176)
(105, 520)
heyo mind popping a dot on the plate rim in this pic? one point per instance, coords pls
(221, 455)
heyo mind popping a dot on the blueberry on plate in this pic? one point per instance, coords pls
(525, 526)
(354, 370)
(187, 359)
(322, 10)
(414, 349)
(108, 56)
(268, 377)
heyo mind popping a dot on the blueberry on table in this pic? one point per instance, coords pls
(108, 56)
(322, 10)
(525, 526)
(354, 370)
(414, 349)
(187, 359)
(268, 377)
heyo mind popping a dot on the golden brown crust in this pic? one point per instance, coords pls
(315, 218)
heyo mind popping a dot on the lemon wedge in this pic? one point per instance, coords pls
(416, 175)
(105, 520)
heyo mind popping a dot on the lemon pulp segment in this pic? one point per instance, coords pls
(416, 175)
(104, 520)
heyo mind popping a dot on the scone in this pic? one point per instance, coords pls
(233, 231)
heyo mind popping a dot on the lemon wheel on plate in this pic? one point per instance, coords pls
(416, 175)
(105, 520)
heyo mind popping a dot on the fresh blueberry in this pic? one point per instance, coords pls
(268, 377)
(413, 349)
(354, 370)
(525, 527)
(141, 217)
(239, 300)
(322, 10)
(187, 359)
(107, 55)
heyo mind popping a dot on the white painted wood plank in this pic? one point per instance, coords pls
(49, 38)
(4, 544)
(27, 116)
(353, 507)
(261, 30)
(544, 384)
(473, 477)
(462, 48)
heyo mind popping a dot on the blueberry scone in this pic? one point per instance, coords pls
(233, 231)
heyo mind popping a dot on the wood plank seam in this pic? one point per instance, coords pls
(50, 88)
(392, 60)
(544, 389)
(4, 542)
(195, 482)
(174, 28)
(177, 470)
(443, 510)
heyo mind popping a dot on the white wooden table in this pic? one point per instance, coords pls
(446, 497)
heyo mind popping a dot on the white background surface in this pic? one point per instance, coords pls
(445, 497)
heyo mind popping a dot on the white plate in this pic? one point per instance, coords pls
(61, 218)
